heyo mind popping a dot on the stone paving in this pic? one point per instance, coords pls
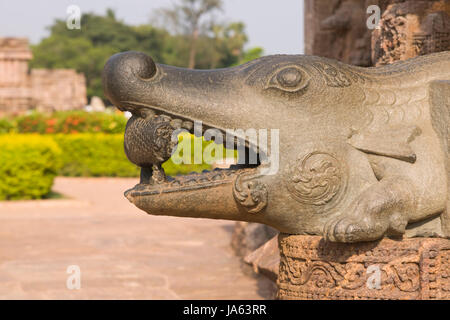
(122, 252)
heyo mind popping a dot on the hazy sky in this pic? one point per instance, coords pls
(276, 25)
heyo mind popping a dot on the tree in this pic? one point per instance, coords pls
(88, 49)
(251, 54)
(76, 53)
(188, 17)
(229, 42)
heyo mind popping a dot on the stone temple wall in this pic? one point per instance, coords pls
(337, 29)
(22, 89)
(15, 91)
(59, 89)
(410, 28)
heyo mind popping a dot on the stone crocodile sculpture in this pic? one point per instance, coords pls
(362, 151)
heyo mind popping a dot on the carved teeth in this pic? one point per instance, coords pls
(188, 125)
(176, 123)
(164, 123)
(147, 113)
(165, 117)
(194, 178)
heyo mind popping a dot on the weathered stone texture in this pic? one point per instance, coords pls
(266, 259)
(59, 89)
(248, 236)
(410, 28)
(329, 182)
(311, 268)
(15, 92)
(337, 29)
(41, 89)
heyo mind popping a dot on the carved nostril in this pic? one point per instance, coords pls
(141, 64)
(131, 62)
(122, 73)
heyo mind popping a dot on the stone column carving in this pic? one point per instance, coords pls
(311, 268)
(410, 28)
(337, 29)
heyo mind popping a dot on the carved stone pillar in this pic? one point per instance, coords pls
(311, 268)
(412, 268)
(337, 29)
(410, 28)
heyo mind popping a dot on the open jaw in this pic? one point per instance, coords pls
(163, 99)
(150, 141)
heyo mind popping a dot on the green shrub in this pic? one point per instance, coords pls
(94, 155)
(71, 122)
(6, 125)
(171, 168)
(28, 165)
(29, 162)
(97, 155)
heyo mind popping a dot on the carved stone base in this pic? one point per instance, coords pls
(311, 268)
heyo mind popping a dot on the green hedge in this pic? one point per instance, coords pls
(94, 155)
(100, 155)
(29, 162)
(6, 125)
(28, 165)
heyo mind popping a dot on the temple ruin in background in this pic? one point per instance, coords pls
(22, 89)
(337, 29)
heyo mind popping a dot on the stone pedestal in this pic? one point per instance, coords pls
(311, 268)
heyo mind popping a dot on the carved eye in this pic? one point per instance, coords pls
(290, 79)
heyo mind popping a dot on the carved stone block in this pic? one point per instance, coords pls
(45, 90)
(248, 237)
(266, 259)
(312, 268)
(337, 29)
(410, 28)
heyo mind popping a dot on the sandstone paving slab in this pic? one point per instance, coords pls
(122, 252)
